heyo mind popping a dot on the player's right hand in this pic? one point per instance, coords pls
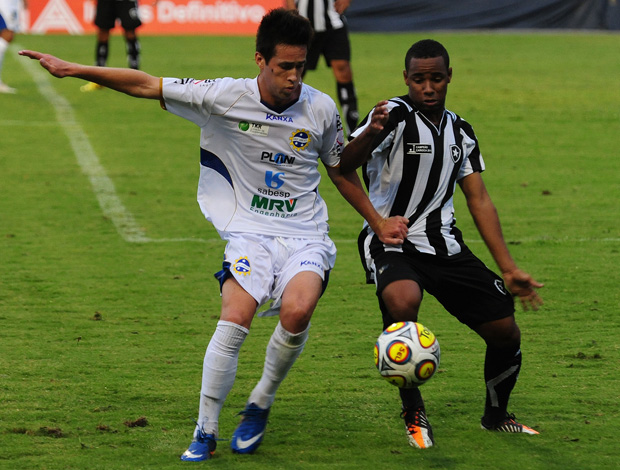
(393, 230)
(57, 67)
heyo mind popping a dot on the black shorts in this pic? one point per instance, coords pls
(463, 284)
(108, 11)
(333, 44)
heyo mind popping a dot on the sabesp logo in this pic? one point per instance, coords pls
(274, 180)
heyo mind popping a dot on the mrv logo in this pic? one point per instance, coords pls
(273, 207)
(278, 158)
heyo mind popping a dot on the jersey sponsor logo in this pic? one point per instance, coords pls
(274, 180)
(242, 266)
(418, 149)
(273, 207)
(279, 158)
(274, 192)
(300, 139)
(275, 117)
(309, 262)
(254, 128)
(455, 153)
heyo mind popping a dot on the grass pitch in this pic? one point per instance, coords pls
(102, 338)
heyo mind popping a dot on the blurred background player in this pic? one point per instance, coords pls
(9, 23)
(108, 11)
(331, 39)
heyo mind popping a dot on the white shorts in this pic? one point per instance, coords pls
(264, 265)
(9, 10)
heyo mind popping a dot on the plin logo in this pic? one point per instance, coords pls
(300, 139)
(242, 266)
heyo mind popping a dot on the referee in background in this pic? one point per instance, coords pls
(331, 39)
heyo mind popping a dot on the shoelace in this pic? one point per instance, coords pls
(203, 435)
(254, 414)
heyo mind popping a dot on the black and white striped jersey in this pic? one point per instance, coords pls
(413, 172)
(321, 13)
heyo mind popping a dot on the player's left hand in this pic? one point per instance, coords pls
(522, 285)
(393, 230)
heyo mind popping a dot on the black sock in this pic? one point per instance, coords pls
(501, 370)
(411, 398)
(133, 53)
(101, 54)
(348, 104)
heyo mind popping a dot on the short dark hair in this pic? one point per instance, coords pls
(427, 49)
(282, 26)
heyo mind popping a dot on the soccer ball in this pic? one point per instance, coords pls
(407, 354)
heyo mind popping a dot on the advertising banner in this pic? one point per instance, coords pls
(200, 17)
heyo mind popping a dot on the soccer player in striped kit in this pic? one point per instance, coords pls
(413, 153)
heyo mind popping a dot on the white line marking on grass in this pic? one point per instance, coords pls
(102, 185)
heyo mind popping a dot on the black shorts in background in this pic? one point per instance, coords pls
(333, 44)
(108, 11)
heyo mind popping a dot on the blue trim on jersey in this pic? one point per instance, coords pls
(210, 160)
(2, 23)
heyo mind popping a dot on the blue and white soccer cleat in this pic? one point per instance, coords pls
(249, 434)
(201, 448)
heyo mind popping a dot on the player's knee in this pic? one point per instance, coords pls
(504, 333)
(296, 316)
(403, 307)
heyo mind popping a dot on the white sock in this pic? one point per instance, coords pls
(4, 45)
(282, 351)
(218, 372)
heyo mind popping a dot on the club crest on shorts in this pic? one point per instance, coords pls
(242, 266)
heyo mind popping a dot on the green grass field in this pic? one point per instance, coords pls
(107, 299)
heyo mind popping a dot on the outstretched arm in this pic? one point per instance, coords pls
(132, 82)
(484, 213)
(357, 152)
(391, 231)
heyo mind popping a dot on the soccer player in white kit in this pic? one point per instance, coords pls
(261, 140)
(9, 24)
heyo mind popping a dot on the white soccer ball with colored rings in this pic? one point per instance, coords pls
(407, 354)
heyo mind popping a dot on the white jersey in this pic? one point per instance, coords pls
(259, 168)
(9, 10)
